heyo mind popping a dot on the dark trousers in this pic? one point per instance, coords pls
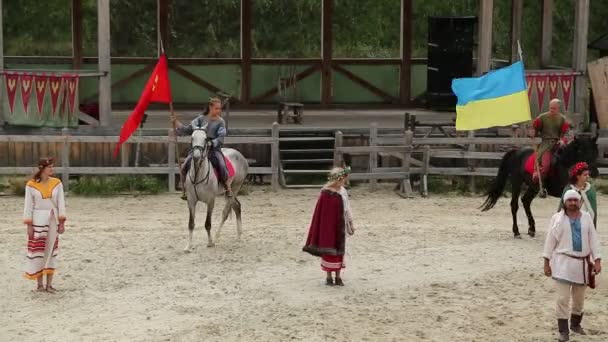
(216, 157)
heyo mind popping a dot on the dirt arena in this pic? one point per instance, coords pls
(432, 269)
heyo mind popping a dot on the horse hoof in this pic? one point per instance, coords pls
(211, 245)
(532, 234)
(188, 249)
(517, 236)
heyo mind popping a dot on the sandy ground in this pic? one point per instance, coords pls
(431, 269)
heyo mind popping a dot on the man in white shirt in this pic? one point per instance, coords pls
(571, 242)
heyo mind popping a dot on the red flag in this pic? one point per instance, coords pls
(541, 86)
(26, 90)
(530, 83)
(56, 86)
(42, 82)
(72, 86)
(553, 86)
(566, 81)
(11, 88)
(157, 89)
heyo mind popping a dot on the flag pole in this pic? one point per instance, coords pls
(519, 51)
(534, 146)
(173, 122)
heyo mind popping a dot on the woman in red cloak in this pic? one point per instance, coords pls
(331, 221)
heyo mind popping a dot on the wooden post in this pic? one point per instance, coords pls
(406, 186)
(581, 27)
(338, 142)
(76, 34)
(246, 50)
(484, 56)
(373, 156)
(326, 51)
(406, 121)
(103, 50)
(171, 161)
(405, 72)
(412, 125)
(65, 159)
(275, 157)
(425, 170)
(1, 65)
(517, 12)
(162, 19)
(484, 50)
(124, 154)
(471, 164)
(546, 33)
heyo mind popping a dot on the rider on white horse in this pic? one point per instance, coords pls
(216, 131)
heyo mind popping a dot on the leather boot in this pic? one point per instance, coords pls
(564, 332)
(575, 324)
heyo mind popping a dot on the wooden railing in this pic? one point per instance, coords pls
(170, 169)
(405, 146)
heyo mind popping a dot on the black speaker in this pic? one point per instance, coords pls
(451, 41)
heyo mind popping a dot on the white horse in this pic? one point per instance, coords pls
(202, 185)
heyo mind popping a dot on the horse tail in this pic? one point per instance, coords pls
(499, 183)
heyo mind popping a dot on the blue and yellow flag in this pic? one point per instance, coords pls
(498, 98)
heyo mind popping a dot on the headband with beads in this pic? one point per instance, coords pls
(338, 175)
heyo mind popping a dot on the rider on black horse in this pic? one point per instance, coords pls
(552, 127)
(216, 131)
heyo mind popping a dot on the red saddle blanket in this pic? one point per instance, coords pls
(229, 166)
(529, 165)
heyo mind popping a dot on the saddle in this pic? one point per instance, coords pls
(229, 166)
(531, 161)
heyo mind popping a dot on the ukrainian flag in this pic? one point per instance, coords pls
(498, 98)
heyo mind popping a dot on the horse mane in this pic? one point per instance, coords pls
(570, 154)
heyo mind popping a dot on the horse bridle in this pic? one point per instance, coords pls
(204, 152)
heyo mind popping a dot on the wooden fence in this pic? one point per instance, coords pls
(406, 148)
(170, 169)
(415, 154)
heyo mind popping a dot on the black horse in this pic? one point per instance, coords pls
(512, 167)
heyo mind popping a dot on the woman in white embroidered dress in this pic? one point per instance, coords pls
(44, 216)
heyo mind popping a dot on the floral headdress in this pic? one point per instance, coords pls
(578, 168)
(334, 176)
(44, 163)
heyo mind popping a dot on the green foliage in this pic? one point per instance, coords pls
(439, 185)
(281, 28)
(210, 29)
(16, 185)
(601, 185)
(111, 185)
(368, 29)
(35, 28)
